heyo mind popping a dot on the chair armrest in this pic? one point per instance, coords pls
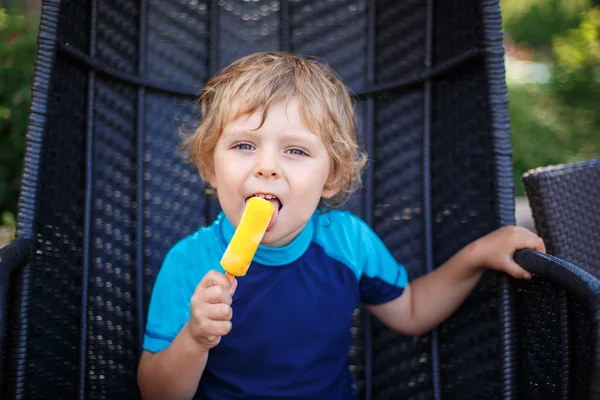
(575, 280)
(15, 255)
(582, 286)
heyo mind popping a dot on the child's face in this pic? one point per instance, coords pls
(283, 159)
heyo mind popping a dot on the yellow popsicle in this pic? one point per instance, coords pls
(247, 237)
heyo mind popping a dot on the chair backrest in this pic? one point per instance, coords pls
(106, 195)
(565, 203)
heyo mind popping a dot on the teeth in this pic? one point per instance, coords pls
(265, 196)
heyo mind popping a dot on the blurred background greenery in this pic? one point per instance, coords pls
(553, 76)
(18, 36)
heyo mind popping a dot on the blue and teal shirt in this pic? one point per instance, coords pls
(292, 311)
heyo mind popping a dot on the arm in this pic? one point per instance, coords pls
(431, 299)
(175, 372)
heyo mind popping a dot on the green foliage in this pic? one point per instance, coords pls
(9, 221)
(577, 74)
(560, 122)
(17, 57)
(545, 131)
(535, 22)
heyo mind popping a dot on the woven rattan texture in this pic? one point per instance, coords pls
(177, 45)
(73, 16)
(457, 28)
(582, 348)
(246, 27)
(463, 205)
(86, 314)
(174, 205)
(557, 328)
(398, 220)
(117, 34)
(565, 202)
(400, 39)
(111, 309)
(50, 340)
(398, 191)
(335, 31)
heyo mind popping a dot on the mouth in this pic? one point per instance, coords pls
(276, 203)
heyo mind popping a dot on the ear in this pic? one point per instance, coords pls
(210, 177)
(329, 191)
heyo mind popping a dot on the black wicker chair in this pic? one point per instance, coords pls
(105, 195)
(565, 202)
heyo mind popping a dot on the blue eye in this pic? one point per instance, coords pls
(244, 146)
(297, 152)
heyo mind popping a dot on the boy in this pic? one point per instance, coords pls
(281, 127)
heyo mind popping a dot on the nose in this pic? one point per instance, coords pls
(267, 165)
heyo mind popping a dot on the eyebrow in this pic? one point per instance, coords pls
(292, 136)
(237, 133)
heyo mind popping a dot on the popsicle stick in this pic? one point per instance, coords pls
(229, 276)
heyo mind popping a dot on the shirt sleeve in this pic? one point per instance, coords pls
(169, 308)
(383, 278)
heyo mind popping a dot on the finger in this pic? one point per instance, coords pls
(234, 285)
(213, 338)
(532, 241)
(516, 271)
(219, 328)
(540, 245)
(217, 294)
(215, 278)
(219, 312)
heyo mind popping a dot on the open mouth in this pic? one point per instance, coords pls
(276, 203)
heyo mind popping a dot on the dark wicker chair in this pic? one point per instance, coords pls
(565, 202)
(105, 195)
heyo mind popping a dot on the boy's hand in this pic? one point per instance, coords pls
(496, 249)
(210, 309)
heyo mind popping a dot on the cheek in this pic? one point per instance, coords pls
(231, 169)
(325, 171)
(221, 170)
(314, 176)
(220, 159)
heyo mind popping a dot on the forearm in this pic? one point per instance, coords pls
(437, 295)
(431, 299)
(175, 372)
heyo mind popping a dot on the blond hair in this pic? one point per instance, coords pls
(256, 82)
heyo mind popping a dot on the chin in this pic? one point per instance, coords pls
(279, 236)
(270, 237)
